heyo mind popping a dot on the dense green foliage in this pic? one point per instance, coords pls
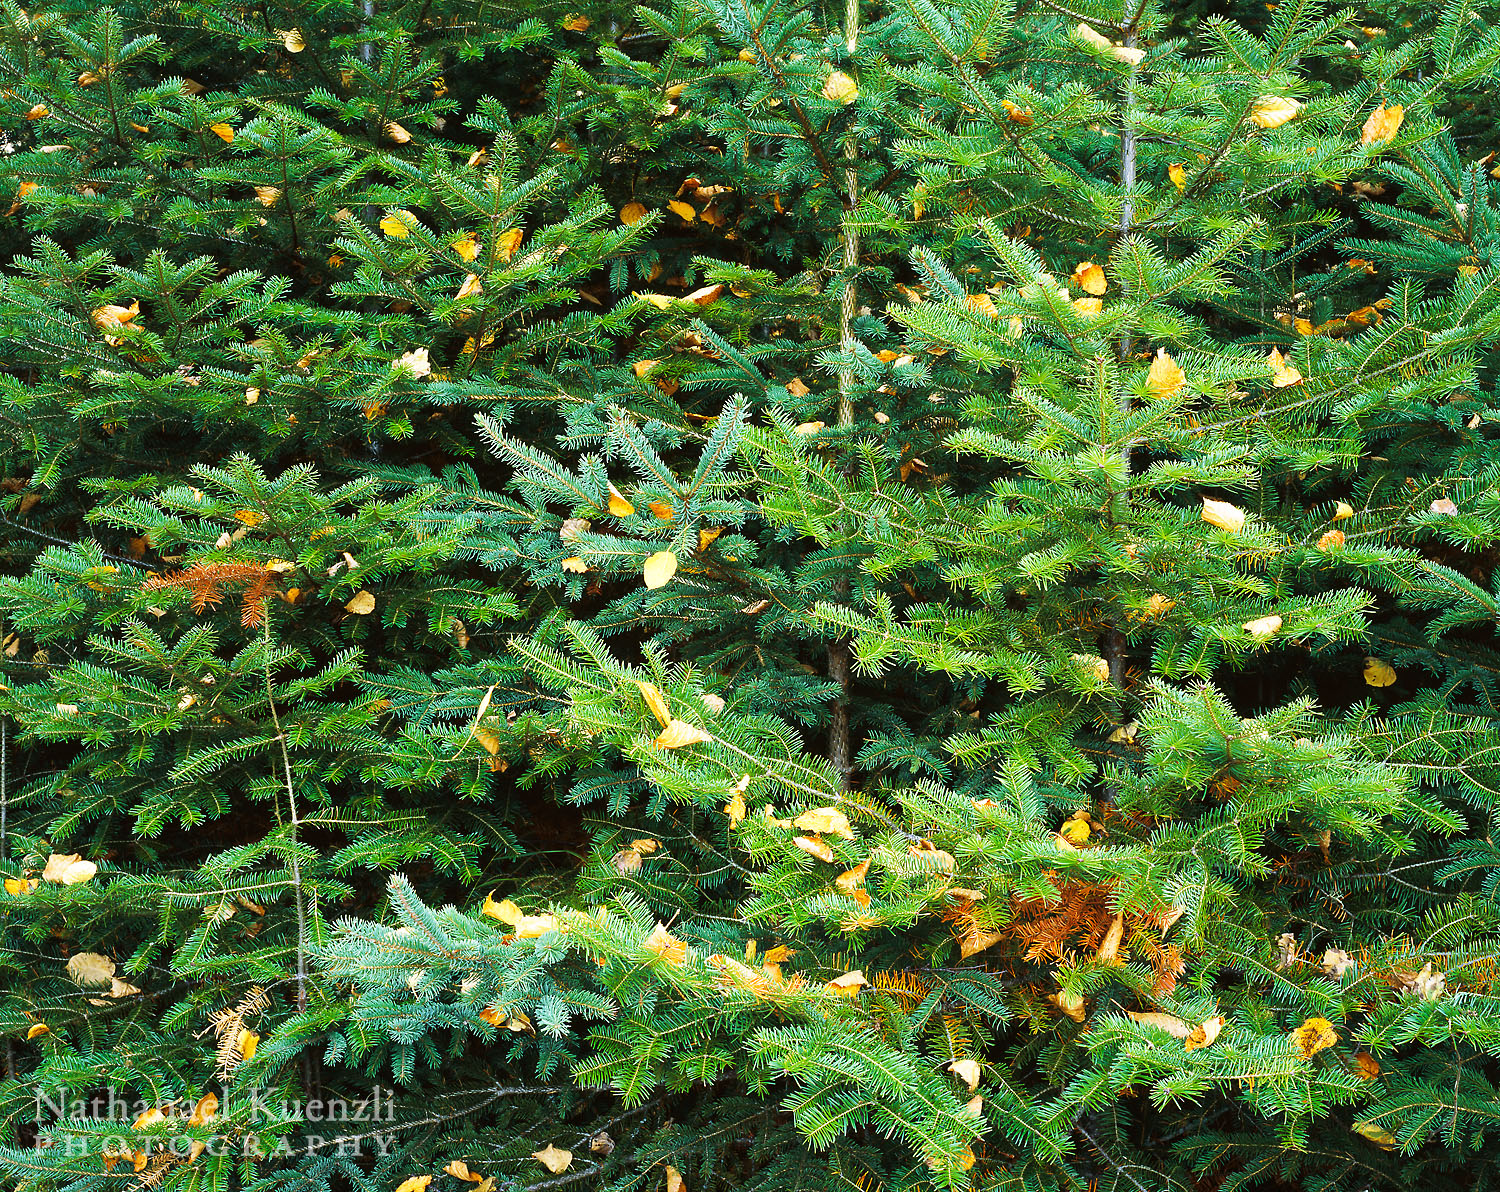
(768, 597)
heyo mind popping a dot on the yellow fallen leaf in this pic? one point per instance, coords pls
(706, 537)
(37, 1028)
(675, 1182)
(1366, 1066)
(1313, 1036)
(1076, 829)
(1379, 673)
(1089, 308)
(1342, 511)
(361, 604)
(825, 820)
(1224, 515)
(1070, 1004)
(1331, 540)
(470, 288)
(1093, 37)
(976, 941)
(293, 40)
(506, 910)
(1170, 1023)
(663, 944)
(1379, 1135)
(415, 1183)
(1382, 124)
(1204, 1034)
(38, 111)
(632, 213)
(68, 870)
(1164, 379)
(852, 879)
(1089, 278)
(205, 1110)
(1178, 175)
(554, 1159)
(246, 1044)
(20, 885)
(967, 1071)
(618, 505)
(576, 22)
(848, 985)
(679, 733)
(840, 88)
(532, 927)
(659, 569)
(396, 132)
(466, 246)
(1109, 948)
(1445, 506)
(395, 227)
(459, 1170)
(223, 131)
(1263, 626)
(1272, 111)
(1282, 373)
(686, 210)
(507, 243)
(656, 701)
(574, 565)
(151, 1117)
(814, 847)
(268, 196)
(735, 809)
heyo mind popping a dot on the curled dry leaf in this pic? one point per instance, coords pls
(602, 1144)
(675, 1182)
(1382, 124)
(20, 885)
(1331, 540)
(1223, 514)
(415, 1183)
(505, 911)
(1379, 673)
(533, 927)
(1091, 36)
(1443, 506)
(967, 1071)
(1178, 175)
(37, 1028)
(1070, 1004)
(631, 214)
(224, 132)
(1264, 626)
(826, 820)
(361, 604)
(852, 879)
(663, 944)
(90, 968)
(1089, 278)
(679, 733)
(656, 701)
(814, 847)
(1204, 1034)
(840, 88)
(659, 569)
(246, 1043)
(1170, 1023)
(68, 870)
(1343, 511)
(1336, 963)
(205, 1110)
(618, 505)
(848, 985)
(1109, 947)
(1379, 1135)
(292, 39)
(1282, 373)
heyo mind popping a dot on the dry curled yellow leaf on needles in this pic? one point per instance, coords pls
(1165, 378)
(1313, 1036)
(679, 733)
(1379, 673)
(1272, 111)
(68, 870)
(1224, 515)
(659, 569)
(1382, 124)
(1089, 278)
(825, 821)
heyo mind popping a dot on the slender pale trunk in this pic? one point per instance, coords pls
(839, 751)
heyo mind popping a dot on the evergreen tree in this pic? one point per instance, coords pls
(733, 595)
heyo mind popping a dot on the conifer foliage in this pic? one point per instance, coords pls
(717, 595)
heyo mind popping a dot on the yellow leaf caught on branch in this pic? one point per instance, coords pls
(1164, 379)
(362, 604)
(1313, 1036)
(618, 505)
(68, 870)
(656, 701)
(679, 733)
(632, 214)
(507, 242)
(224, 132)
(848, 985)
(1177, 175)
(293, 40)
(1379, 673)
(415, 1183)
(246, 1044)
(659, 569)
(840, 88)
(1382, 124)
(37, 1028)
(662, 944)
(1224, 515)
(505, 911)
(554, 1159)
(1089, 278)
(967, 1071)
(395, 227)
(1264, 626)
(825, 820)
(1204, 1034)
(814, 847)
(1379, 1135)
(1170, 1023)
(1272, 111)
(1282, 373)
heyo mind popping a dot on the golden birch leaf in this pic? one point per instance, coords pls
(574, 565)
(246, 1044)
(662, 944)
(735, 809)
(1204, 1034)
(554, 1159)
(1331, 540)
(1164, 379)
(686, 210)
(394, 227)
(659, 569)
(1313, 1036)
(533, 927)
(618, 505)
(1173, 1025)
(1272, 111)
(37, 1028)
(506, 911)
(977, 941)
(1224, 515)
(90, 968)
(967, 1071)
(1089, 308)
(224, 132)
(397, 133)
(1077, 830)
(632, 213)
(1343, 511)
(814, 847)
(20, 885)
(1379, 673)
(1109, 948)
(1366, 1066)
(848, 985)
(459, 1170)
(656, 701)
(1444, 506)
(68, 870)
(268, 196)
(661, 510)
(466, 246)
(1379, 1135)
(205, 1110)
(1382, 124)
(293, 41)
(1264, 626)
(1089, 278)
(840, 88)
(1282, 373)
(825, 820)
(1092, 37)
(507, 243)
(151, 1117)
(679, 733)
(675, 1182)
(852, 879)
(415, 1183)
(471, 288)
(361, 604)
(1178, 175)
(1070, 1004)
(706, 537)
